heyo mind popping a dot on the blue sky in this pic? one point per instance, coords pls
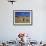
(22, 13)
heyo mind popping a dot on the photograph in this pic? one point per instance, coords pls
(22, 16)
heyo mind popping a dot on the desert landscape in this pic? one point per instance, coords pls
(22, 19)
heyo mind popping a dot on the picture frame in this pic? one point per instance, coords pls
(22, 17)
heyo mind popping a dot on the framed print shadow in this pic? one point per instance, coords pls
(22, 17)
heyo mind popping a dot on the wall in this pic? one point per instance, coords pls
(37, 31)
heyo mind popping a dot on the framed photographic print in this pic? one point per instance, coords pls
(22, 17)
